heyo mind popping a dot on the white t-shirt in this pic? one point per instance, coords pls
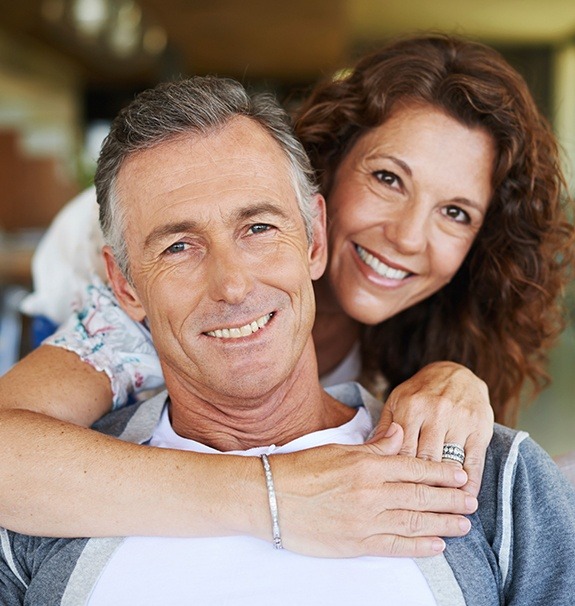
(244, 571)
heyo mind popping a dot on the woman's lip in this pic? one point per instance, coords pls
(380, 267)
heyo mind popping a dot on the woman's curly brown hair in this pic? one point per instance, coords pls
(503, 309)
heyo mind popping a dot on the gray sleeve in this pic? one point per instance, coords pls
(14, 576)
(11, 592)
(522, 538)
(35, 571)
(541, 564)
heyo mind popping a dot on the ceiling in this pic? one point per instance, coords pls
(280, 40)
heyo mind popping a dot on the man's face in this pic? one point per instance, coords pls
(220, 264)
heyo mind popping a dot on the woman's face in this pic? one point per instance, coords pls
(406, 204)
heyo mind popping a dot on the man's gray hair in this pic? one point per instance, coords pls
(198, 105)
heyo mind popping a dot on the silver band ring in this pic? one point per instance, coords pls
(453, 452)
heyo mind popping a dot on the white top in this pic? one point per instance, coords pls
(66, 259)
(243, 571)
(349, 369)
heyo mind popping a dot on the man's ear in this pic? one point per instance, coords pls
(318, 246)
(124, 291)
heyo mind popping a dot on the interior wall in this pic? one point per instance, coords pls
(564, 106)
(551, 418)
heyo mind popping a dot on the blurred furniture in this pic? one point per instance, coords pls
(33, 189)
(15, 280)
(15, 260)
(11, 326)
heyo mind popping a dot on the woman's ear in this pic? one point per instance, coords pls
(318, 246)
(124, 291)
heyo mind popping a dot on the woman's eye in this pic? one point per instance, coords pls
(456, 214)
(259, 228)
(387, 177)
(176, 248)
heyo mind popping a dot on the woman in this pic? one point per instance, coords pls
(498, 314)
(509, 203)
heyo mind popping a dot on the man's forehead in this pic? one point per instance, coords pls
(240, 145)
(235, 169)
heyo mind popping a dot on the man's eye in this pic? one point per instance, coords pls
(259, 228)
(456, 214)
(176, 248)
(387, 177)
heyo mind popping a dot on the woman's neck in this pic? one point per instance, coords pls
(334, 332)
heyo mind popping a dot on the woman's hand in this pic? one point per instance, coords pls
(347, 501)
(444, 403)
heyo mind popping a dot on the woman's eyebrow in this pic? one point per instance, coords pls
(468, 202)
(383, 156)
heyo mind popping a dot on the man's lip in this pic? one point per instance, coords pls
(240, 330)
(381, 265)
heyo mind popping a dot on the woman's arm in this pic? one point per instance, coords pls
(57, 383)
(59, 478)
(445, 403)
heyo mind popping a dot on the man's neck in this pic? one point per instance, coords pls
(288, 411)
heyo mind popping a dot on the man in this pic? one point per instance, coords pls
(215, 234)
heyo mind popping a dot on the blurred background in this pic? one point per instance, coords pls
(68, 66)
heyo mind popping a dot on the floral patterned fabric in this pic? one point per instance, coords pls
(105, 337)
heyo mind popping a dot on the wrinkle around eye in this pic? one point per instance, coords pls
(465, 217)
(254, 230)
(180, 246)
(388, 178)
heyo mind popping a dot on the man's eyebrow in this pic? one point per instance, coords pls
(242, 214)
(261, 208)
(169, 229)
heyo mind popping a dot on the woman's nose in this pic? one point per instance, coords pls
(407, 228)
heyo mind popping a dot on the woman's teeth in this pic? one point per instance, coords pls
(379, 267)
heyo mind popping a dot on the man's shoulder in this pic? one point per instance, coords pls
(516, 465)
(505, 450)
(512, 447)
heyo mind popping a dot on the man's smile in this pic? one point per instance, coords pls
(240, 331)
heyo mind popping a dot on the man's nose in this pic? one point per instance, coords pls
(407, 229)
(230, 275)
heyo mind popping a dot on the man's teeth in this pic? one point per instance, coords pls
(378, 267)
(242, 331)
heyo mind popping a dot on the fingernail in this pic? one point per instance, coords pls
(460, 476)
(392, 429)
(471, 503)
(438, 545)
(465, 524)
